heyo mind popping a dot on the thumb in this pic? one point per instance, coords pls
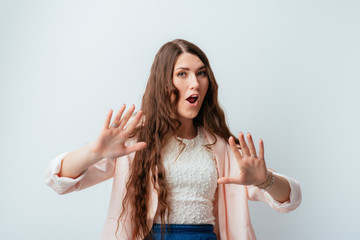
(134, 148)
(227, 180)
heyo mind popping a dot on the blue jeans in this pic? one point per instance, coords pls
(184, 232)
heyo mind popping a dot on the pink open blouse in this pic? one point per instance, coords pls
(232, 218)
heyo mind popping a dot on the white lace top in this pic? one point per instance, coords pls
(191, 176)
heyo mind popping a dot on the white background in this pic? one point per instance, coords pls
(288, 72)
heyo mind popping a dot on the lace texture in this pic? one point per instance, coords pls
(192, 179)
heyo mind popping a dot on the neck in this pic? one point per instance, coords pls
(186, 130)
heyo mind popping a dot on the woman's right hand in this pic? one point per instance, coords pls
(111, 140)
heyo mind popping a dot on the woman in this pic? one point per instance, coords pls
(176, 161)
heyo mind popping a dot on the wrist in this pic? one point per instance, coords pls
(268, 184)
(93, 156)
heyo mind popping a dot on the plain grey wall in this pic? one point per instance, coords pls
(288, 72)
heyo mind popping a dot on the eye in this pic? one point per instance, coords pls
(181, 74)
(202, 73)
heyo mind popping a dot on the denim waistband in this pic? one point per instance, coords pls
(191, 228)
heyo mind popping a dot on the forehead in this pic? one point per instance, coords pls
(188, 60)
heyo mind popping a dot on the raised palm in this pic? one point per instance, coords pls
(111, 140)
(253, 169)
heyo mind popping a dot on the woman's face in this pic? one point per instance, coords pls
(191, 79)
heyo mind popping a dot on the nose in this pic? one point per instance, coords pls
(194, 83)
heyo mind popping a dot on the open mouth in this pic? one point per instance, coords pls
(192, 99)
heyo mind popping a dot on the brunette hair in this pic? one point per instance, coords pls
(158, 126)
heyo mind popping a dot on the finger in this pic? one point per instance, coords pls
(119, 114)
(126, 117)
(108, 119)
(136, 147)
(244, 147)
(261, 149)
(251, 145)
(228, 180)
(134, 122)
(234, 149)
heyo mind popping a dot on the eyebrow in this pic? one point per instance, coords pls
(184, 68)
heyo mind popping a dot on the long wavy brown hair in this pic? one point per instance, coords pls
(158, 126)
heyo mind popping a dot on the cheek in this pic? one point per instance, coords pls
(206, 86)
(181, 90)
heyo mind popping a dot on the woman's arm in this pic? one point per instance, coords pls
(78, 161)
(278, 187)
(110, 144)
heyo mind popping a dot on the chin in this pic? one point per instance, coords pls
(192, 115)
(187, 115)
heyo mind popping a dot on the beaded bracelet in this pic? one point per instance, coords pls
(265, 186)
(271, 183)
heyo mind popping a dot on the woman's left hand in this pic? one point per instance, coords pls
(252, 167)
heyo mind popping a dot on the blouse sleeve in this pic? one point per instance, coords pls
(99, 172)
(256, 194)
